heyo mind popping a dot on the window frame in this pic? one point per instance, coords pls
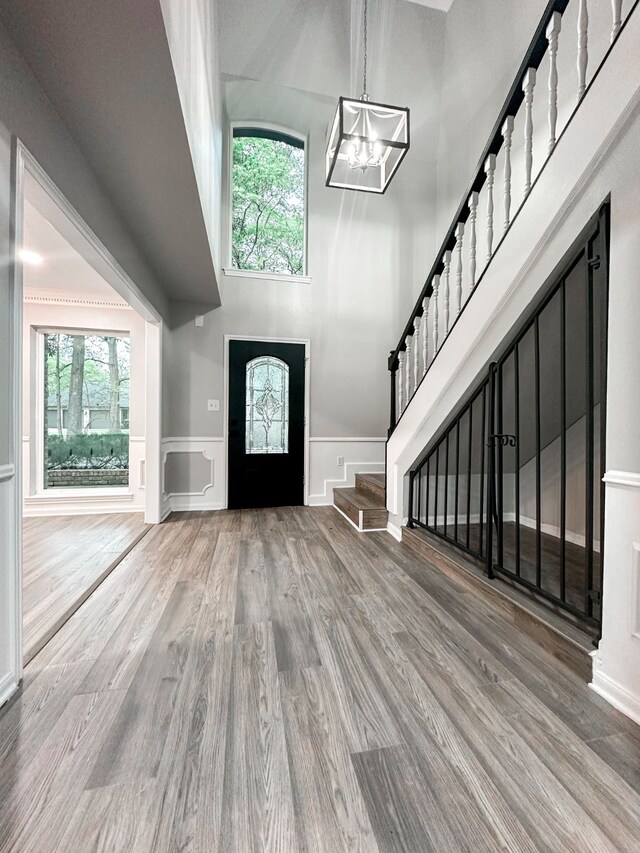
(40, 417)
(229, 269)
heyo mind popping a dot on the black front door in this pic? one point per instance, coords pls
(266, 424)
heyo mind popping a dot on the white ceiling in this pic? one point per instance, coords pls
(63, 273)
(442, 5)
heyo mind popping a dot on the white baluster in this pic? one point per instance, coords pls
(583, 50)
(425, 334)
(459, 236)
(473, 215)
(507, 135)
(528, 85)
(417, 322)
(445, 293)
(401, 358)
(490, 171)
(409, 365)
(616, 7)
(436, 288)
(553, 31)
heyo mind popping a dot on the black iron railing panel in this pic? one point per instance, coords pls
(515, 477)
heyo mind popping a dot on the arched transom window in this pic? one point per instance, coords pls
(267, 415)
(268, 202)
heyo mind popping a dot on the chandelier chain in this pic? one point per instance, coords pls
(364, 87)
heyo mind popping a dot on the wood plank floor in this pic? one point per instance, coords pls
(271, 680)
(64, 559)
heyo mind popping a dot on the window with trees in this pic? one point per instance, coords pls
(268, 202)
(86, 400)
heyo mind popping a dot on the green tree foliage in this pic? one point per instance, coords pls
(268, 206)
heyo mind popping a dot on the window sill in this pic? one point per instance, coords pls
(269, 276)
(71, 493)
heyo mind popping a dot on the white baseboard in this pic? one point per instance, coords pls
(38, 506)
(395, 531)
(8, 687)
(193, 503)
(616, 695)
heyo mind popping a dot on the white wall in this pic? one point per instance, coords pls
(367, 257)
(42, 315)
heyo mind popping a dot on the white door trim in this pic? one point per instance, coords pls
(307, 402)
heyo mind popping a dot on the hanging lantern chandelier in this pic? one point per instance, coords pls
(367, 141)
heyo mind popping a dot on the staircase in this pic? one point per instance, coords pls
(364, 505)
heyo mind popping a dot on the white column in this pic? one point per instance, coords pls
(553, 31)
(436, 289)
(445, 294)
(490, 171)
(401, 381)
(473, 215)
(417, 322)
(583, 50)
(616, 8)
(507, 135)
(459, 236)
(408, 342)
(528, 85)
(425, 334)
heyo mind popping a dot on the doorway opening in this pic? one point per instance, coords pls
(267, 433)
(90, 392)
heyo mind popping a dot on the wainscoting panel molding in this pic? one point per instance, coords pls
(361, 456)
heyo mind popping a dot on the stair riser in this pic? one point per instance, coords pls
(352, 513)
(372, 489)
(364, 519)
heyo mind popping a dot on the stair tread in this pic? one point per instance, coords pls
(359, 499)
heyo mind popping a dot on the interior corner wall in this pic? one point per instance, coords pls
(88, 318)
(28, 114)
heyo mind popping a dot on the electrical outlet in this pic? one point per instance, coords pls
(213, 405)
(340, 461)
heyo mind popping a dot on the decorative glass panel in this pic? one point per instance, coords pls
(267, 416)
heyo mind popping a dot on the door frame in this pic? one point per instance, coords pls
(307, 401)
(24, 162)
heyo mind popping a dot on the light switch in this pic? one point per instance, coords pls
(199, 320)
(213, 405)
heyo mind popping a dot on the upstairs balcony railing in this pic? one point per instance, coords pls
(522, 141)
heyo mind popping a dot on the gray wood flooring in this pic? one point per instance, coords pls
(273, 680)
(64, 559)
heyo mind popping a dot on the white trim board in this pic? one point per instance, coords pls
(616, 695)
(622, 478)
(347, 440)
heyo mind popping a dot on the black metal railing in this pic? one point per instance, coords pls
(515, 477)
(423, 335)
